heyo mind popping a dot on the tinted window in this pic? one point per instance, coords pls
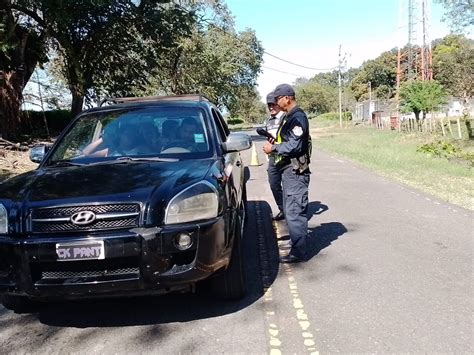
(177, 132)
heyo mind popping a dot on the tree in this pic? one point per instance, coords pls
(106, 45)
(22, 47)
(215, 61)
(314, 97)
(459, 13)
(453, 65)
(381, 73)
(421, 96)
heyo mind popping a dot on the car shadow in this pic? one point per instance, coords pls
(261, 269)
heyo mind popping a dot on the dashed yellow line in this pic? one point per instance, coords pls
(301, 315)
(273, 330)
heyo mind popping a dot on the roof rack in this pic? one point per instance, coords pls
(121, 100)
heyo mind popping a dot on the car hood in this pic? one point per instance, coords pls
(134, 181)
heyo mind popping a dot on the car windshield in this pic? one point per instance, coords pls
(151, 133)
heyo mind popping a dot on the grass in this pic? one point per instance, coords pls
(395, 155)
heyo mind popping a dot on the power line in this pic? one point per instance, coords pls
(281, 71)
(298, 65)
(235, 36)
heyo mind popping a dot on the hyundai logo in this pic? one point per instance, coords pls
(83, 218)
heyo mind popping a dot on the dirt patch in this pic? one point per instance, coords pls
(14, 162)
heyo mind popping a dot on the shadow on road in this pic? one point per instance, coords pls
(322, 236)
(175, 307)
(316, 208)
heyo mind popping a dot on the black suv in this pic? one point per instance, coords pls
(143, 196)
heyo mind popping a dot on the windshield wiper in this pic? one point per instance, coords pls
(147, 159)
(124, 160)
(64, 163)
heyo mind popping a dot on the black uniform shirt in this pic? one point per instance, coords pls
(294, 135)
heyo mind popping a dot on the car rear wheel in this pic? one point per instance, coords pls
(19, 304)
(230, 285)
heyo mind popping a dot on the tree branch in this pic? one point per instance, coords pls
(29, 13)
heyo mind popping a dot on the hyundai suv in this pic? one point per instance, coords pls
(143, 196)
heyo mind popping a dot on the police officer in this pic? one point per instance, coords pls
(292, 153)
(273, 171)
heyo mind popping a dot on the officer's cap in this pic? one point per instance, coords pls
(284, 90)
(271, 98)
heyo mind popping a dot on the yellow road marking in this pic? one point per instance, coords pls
(301, 316)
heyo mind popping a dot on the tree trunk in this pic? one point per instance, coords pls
(77, 102)
(10, 102)
(17, 66)
(417, 118)
(76, 80)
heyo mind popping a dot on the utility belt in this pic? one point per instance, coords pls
(299, 165)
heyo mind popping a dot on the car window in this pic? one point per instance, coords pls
(220, 125)
(174, 131)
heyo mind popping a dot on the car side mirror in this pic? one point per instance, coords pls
(38, 152)
(237, 142)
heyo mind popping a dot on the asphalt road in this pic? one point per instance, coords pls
(391, 272)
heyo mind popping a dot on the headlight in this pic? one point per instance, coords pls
(3, 220)
(195, 203)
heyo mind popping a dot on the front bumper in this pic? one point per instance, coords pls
(137, 261)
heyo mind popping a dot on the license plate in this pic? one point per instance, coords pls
(87, 250)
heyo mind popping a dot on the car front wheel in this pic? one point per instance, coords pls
(19, 304)
(230, 285)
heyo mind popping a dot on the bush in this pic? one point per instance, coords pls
(235, 121)
(438, 149)
(33, 122)
(328, 116)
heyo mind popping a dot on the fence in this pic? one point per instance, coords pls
(450, 120)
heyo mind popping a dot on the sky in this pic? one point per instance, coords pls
(309, 33)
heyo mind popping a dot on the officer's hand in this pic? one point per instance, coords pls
(267, 148)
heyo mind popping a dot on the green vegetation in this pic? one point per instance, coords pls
(446, 174)
(459, 13)
(113, 48)
(421, 96)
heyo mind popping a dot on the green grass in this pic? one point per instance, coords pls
(394, 155)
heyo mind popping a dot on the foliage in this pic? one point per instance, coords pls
(421, 96)
(33, 122)
(439, 149)
(459, 13)
(379, 74)
(22, 47)
(107, 45)
(217, 62)
(448, 150)
(316, 97)
(328, 116)
(235, 121)
(453, 65)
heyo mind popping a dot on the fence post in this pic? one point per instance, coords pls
(442, 126)
(458, 121)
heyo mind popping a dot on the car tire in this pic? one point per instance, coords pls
(244, 203)
(230, 284)
(19, 304)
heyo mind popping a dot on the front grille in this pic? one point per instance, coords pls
(110, 216)
(89, 274)
(88, 271)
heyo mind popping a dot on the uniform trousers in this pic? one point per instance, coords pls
(295, 202)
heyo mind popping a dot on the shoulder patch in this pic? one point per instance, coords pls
(297, 131)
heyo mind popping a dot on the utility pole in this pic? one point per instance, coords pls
(340, 88)
(370, 102)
